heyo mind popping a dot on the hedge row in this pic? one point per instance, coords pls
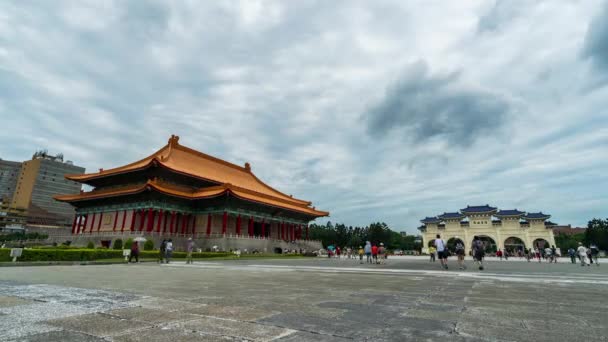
(93, 254)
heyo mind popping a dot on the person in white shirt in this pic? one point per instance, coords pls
(582, 254)
(442, 252)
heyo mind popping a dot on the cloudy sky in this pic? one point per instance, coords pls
(374, 110)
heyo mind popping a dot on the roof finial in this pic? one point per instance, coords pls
(247, 167)
(173, 140)
(100, 169)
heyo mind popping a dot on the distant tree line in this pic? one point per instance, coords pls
(596, 232)
(349, 236)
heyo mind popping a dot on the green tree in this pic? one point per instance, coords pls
(117, 244)
(90, 245)
(128, 243)
(597, 232)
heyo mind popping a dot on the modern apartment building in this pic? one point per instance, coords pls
(40, 179)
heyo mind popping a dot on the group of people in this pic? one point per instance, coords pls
(374, 254)
(586, 256)
(441, 249)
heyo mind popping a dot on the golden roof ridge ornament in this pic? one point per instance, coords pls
(174, 140)
(248, 167)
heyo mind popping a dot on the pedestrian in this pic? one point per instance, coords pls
(460, 253)
(189, 248)
(589, 255)
(168, 251)
(554, 254)
(381, 253)
(374, 254)
(134, 252)
(527, 254)
(478, 250)
(442, 252)
(537, 253)
(548, 255)
(506, 253)
(338, 252)
(595, 252)
(432, 252)
(161, 251)
(349, 252)
(361, 252)
(582, 254)
(499, 254)
(368, 251)
(572, 254)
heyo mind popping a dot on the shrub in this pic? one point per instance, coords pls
(117, 244)
(128, 243)
(148, 245)
(48, 254)
(90, 245)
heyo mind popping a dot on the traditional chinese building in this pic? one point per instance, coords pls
(180, 192)
(501, 229)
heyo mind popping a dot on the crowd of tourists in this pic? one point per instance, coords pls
(371, 253)
(439, 250)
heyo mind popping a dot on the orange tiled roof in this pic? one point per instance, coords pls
(184, 192)
(185, 160)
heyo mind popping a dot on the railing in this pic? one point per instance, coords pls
(196, 236)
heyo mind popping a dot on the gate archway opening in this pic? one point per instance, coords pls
(489, 243)
(514, 245)
(451, 243)
(541, 244)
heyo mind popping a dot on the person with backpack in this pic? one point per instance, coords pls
(168, 251)
(460, 253)
(478, 250)
(374, 254)
(162, 250)
(442, 252)
(595, 252)
(572, 255)
(134, 252)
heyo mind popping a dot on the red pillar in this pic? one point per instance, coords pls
(238, 225)
(143, 219)
(160, 220)
(193, 225)
(224, 222)
(150, 220)
(184, 223)
(124, 220)
(263, 229)
(250, 228)
(208, 224)
(99, 224)
(74, 224)
(172, 222)
(92, 223)
(133, 217)
(165, 223)
(115, 220)
(306, 232)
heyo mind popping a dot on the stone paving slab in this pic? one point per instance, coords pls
(235, 329)
(8, 301)
(152, 316)
(98, 324)
(60, 336)
(240, 313)
(164, 334)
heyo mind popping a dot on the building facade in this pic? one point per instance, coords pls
(9, 173)
(512, 230)
(180, 192)
(39, 180)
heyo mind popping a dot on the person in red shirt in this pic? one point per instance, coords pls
(375, 253)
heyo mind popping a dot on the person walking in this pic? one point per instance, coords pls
(595, 252)
(189, 248)
(478, 250)
(442, 252)
(338, 252)
(161, 251)
(381, 254)
(432, 251)
(460, 253)
(368, 251)
(527, 253)
(134, 252)
(589, 255)
(537, 253)
(572, 254)
(361, 252)
(168, 251)
(374, 254)
(499, 254)
(554, 254)
(505, 253)
(582, 254)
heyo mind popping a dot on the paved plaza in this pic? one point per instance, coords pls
(409, 299)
